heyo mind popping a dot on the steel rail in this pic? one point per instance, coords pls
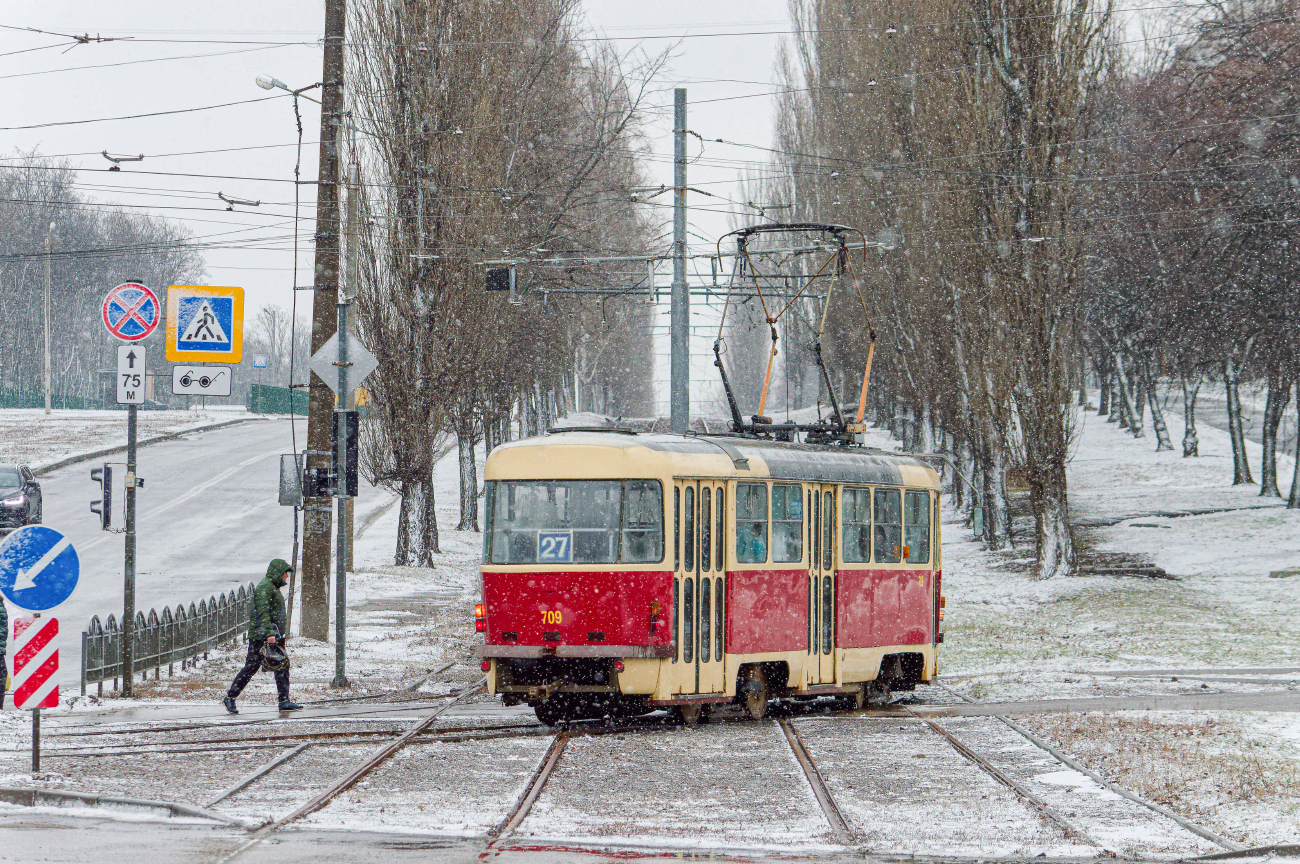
(1015, 786)
(1205, 833)
(352, 778)
(357, 715)
(839, 826)
(543, 773)
(248, 779)
(298, 736)
(486, 735)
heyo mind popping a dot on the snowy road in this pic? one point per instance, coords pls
(208, 521)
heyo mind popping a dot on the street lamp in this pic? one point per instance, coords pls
(270, 82)
(48, 238)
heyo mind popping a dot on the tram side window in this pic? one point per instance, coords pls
(916, 530)
(888, 533)
(643, 521)
(688, 529)
(787, 523)
(706, 530)
(857, 525)
(751, 523)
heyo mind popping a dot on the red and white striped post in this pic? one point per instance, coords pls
(36, 666)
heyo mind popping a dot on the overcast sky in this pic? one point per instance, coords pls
(187, 55)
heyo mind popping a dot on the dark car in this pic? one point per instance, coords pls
(20, 497)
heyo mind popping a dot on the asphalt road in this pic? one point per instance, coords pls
(207, 521)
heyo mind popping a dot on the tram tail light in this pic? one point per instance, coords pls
(480, 618)
(480, 626)
(479, 610)
(654, 614)
(486, 665)
(618, 665)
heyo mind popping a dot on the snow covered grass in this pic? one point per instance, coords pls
(1224, 771)
(30, 437)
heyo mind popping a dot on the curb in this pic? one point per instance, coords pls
(32, 797)
(170, 436)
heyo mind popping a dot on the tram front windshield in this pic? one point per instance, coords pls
(576, 521)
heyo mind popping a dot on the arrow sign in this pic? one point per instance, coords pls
(130, 360)
(26, 577)
(39, 568)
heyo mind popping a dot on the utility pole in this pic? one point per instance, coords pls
(350, 284)
(341, 488)
(128, 591)
(324, 324)
(679, 315)
(48, 237)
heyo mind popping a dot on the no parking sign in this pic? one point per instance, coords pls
(131, 311)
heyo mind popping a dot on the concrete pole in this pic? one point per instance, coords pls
(341, 489)
(680, 309)
(48, 239)
(351, 283)
(324, 323)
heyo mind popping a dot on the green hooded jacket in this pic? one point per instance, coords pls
(266, 613)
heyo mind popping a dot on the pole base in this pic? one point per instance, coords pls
(339, 682)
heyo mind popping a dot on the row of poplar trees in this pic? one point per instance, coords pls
(489, 131)
(1051, 206)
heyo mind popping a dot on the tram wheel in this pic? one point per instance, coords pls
(754, 686)
(692, 714)
(552, 712)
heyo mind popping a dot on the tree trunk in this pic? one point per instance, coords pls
(925, 442)
(1293, 502)
(1103, 399)
(417, 525)
(1054, 541)
(468, 478)
(1129, 419)
(1157, 414)
(1279, 396)
(1116, 403)
(1240, 466)
(994, 498)
(1191, 446)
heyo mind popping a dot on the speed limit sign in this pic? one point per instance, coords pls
(130, 374)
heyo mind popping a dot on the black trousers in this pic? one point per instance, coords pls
(251, 665)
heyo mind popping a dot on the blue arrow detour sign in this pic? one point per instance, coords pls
(38, 568)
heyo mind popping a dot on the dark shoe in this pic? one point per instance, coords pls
(230, 705)
(290, 705)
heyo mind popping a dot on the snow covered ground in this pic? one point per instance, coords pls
(29, 436)
(1008, 636)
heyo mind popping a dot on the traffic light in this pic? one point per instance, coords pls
(349, 421)
(104, 506)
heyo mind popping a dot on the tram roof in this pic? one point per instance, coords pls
(616, 453)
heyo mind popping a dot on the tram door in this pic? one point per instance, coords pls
(700, 586)
(822, 510)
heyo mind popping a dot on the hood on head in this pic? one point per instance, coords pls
(276, 570)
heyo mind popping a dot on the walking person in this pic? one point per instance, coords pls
(266, 638)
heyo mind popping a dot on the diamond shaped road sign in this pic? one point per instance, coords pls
(363, 362)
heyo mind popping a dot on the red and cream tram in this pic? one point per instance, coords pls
(626, 572)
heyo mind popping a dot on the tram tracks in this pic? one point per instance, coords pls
(294, 743)
(1199, 830)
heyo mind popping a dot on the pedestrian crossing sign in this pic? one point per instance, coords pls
(205, 324)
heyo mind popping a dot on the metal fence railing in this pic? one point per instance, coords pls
(163, 640)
